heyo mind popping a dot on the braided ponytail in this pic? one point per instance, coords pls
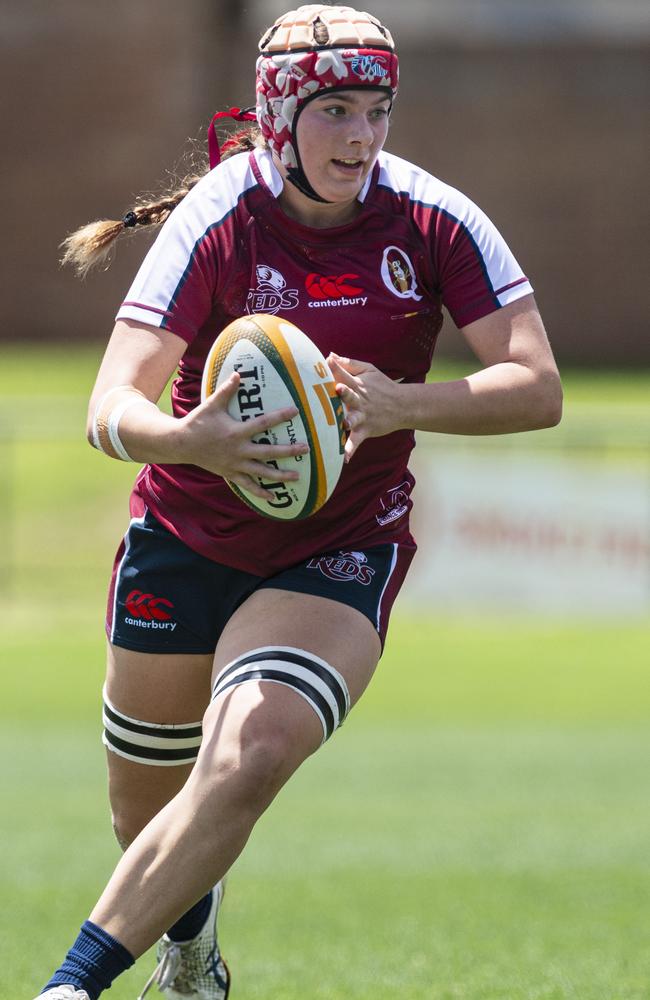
(91, 245)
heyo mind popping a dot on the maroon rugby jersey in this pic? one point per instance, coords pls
(372, 289)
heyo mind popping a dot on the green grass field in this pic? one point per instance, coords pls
(478, 830)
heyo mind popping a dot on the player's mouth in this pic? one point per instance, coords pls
(348, 165)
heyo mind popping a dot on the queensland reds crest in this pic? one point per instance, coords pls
(346, 567)
(394, 504)
(271, 293)
(398, 274)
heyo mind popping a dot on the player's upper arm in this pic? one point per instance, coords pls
(137, 355)
(516, 334)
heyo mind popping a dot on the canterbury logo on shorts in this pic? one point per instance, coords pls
(147, 606)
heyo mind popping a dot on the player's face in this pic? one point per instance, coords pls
(339, 137)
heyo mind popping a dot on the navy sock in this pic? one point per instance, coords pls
(93, 962)
(191, 922)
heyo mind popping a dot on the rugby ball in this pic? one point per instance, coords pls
(279, 366)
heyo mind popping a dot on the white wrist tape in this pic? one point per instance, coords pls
(108, 414)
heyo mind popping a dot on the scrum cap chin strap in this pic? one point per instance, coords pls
(296, 175)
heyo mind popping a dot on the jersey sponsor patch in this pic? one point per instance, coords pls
(334, 290)
(346, 567)
(398, 274)
(271, 293)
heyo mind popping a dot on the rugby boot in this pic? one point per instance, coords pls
(64, 993)
(193, 970)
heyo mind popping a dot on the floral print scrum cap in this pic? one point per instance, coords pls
(306, 51)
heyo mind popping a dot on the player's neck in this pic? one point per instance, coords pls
(313, 214)
(316, 214)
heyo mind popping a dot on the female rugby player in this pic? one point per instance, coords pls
(309, 219)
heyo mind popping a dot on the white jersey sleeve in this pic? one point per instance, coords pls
(180, 277)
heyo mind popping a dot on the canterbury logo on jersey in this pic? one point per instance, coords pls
(334, 290)
(271, 293)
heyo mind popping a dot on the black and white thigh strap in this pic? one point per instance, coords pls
(314, 679)
(150, 742)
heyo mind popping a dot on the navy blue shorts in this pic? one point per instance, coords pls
(166, 598)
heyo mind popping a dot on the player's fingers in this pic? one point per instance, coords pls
(349, 364)
(256, 425)
(224, 393)
(340, 373)
(351, 399)
(250, 485)
(222, 396)
(270, 472)
(273, 452)
(351, 445)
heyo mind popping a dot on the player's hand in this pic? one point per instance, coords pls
(370, 399)
(213, 440)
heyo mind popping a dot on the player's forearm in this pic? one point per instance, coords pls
(502, 399)
(125, 424)
(150, 435)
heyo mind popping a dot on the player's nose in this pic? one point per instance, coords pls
(361, 131)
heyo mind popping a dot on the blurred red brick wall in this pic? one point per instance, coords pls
(549, 141)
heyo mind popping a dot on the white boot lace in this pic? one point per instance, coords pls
(166, 970)
(194, 968)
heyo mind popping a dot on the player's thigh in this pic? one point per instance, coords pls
(333, 631)
(168, 688)
(266, 717)
(154, 704)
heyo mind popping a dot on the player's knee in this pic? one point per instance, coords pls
(259, 754)
(148, 765)
(133, 806)
(124, 828)
(247, 766)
